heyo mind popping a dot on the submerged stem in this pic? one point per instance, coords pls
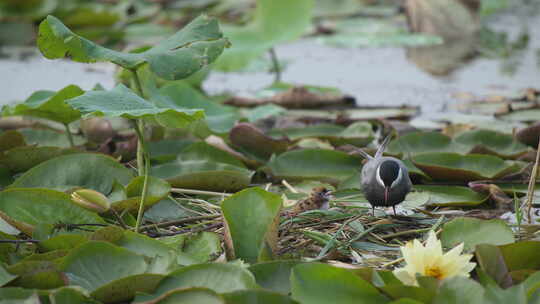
(69, 135)
(275, 65)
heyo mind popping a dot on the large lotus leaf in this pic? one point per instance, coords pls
(194, 295)
(49, 105)
(320, 283)
(251, 218)
(164, 256)
(22, 159)
(452, 195)
(26, 208)
(257, 296)
(423, 142)
(122, 102)
(274, 275)
(95, 264)
(157, 189)
(198, 44)
(359, 134)
(85, 170)
(219, 277)
(179, 95)
(203, 175)
(275, 21)
(49, 138)
(472, 232)
(324, 165)
(457, 167)
(492, 142)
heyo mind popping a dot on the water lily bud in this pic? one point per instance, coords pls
(91, 200)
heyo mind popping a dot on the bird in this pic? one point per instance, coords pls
(318, 199)
(385, 180)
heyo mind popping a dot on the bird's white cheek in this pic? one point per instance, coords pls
(378, 177)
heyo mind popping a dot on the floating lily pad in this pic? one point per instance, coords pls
(109, 272)
(49, 105)
(199, 43)
(452, 195)
(22, 159)
(203, 175)
(5, 276)
(321, 283)
(37, 274)
(157, 189)
(521, 255)
(85, 170)
(163, 257)
(530, 135)
(492, 142)
(252, 141)
(219, 277)
(11, 139)
(257, 296)
(423, 142)
(472, 232)
(167, 150)
(522, 115)
(26, 208)
(274, 275)
(317, 164)
(251, 218)
(49, 138)
(456, 167)
(358, 134)
(194, 295)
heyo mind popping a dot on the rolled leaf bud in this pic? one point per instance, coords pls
(91, 200)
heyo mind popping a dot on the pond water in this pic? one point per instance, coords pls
(375, 76)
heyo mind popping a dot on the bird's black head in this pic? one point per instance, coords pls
(388, 172)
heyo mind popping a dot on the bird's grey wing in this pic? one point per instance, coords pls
(383, 145)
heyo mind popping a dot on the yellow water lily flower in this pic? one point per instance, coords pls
(429, 260)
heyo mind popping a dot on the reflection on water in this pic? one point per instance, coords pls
(457, 22)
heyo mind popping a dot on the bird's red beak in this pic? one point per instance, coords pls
(386, 194)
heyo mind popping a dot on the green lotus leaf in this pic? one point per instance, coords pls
(49, 105)
(198, 44)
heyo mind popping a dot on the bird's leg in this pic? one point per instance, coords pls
(373, 210)
(394, 207)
